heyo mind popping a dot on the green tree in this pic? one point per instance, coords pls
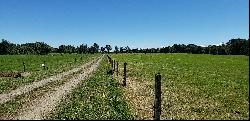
(4, 47)
(96, 47)
(121, 49)
(116, 49)
(82, 48)
(102, 49)
(41, 48)
(108, 47)
(92, 49)
(238, 46)
(62, 49)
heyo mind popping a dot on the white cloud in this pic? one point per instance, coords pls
(202, 45)
(218, 44)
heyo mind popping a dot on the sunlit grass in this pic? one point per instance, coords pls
(11, 108)
(56, 64)
(195, 86)
(98, 97)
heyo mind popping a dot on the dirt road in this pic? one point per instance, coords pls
(40, 107)
(4, 97)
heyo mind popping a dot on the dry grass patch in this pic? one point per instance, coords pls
(139, 94)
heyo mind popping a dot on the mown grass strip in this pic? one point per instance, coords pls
(98, 97)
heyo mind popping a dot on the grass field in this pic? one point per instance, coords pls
(56, 63)
(194, 86)
(98, 97)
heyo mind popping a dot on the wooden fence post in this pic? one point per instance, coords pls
(23, 67)
(124, 75)
(111, 64)
(117, 69)
(114, 67)
(157, 102)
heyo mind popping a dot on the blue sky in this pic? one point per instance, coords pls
(134, 23)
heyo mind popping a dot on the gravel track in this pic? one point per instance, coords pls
(4, 97)
(43, 105)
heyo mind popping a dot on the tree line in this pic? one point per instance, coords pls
(232, 47)
(42, 48)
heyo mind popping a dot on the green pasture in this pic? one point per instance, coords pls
(97, 98)
(195, 86)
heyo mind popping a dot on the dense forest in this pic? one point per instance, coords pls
(232, 47)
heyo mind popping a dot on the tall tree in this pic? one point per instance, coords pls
(4, 47)
(108, 47)
(40, 48)
(62, 49)
(116, 49)
(127, 49)
(121, 49)
(92, 49)
(238, 46)
(96, 47)
(82, 48)
(102, 49)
